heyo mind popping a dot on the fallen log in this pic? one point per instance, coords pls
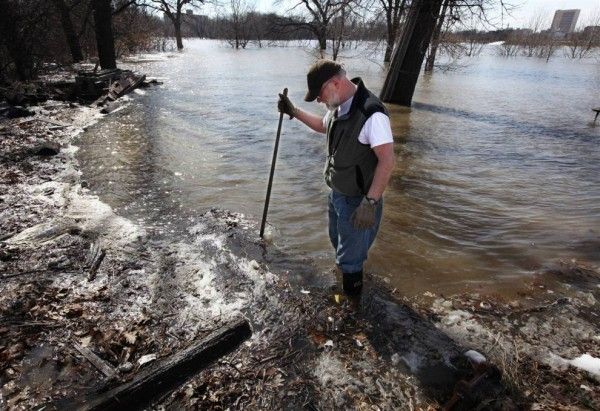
(168, 373)
(96, 361)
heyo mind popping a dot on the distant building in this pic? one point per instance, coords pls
(564, 21)
(194, 24)
(591, 31)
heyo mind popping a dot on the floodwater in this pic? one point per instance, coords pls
(497, 176)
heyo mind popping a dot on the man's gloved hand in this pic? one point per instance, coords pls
(285, 106)
(364, 216)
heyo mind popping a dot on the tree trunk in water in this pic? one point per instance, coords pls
(389, 47)
(403, 74)
(393, 16)
(177, 24)
(70, 36)
(322, 37)
(435, 39)
(105, 41)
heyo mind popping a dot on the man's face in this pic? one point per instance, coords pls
(329, 94)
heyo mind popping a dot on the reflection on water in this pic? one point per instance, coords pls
(498, 163)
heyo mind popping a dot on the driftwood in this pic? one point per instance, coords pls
(167, 374)
(96, 361)
(124, 85)
(94, 258)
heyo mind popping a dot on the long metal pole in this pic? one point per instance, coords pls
(266, 209)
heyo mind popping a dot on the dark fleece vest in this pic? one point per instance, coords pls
(350, 165)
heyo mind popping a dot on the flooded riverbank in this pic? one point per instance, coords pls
(497, 171)
(68, 328)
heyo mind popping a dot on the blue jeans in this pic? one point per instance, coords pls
(351, 245)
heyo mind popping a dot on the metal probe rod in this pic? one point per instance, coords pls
(264, 218)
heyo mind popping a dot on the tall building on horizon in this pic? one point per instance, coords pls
(565, 21)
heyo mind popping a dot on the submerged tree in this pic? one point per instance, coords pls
(582, 42)
(173, 10)
(435, 37)
(393, 10)
(238, 29)
(423, 17)
(317, 17)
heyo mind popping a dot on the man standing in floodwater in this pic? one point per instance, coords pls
(360, 160)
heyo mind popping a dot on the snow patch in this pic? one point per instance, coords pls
(584, 362)
(588, 363)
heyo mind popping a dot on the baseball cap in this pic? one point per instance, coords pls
(321, 71)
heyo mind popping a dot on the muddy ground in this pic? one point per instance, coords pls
(310, 347)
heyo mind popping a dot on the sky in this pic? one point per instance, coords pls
(519, 17)
(529, 8)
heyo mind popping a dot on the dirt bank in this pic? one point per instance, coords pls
(75, 274)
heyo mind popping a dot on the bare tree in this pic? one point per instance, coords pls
(581, 43)
(532, 38)
(548, 47)
(399, 85)
(393, 10)
(105, 41)
(317, 17)
(13, 36)
(71, 37)
(509, 48)
(346, 26)
(453, 12)
(257, 27)
(337, 32)
(173, 10)
(473, 47)
(239, 24)
(435, 37)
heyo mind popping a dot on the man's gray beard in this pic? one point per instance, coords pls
(334, 106)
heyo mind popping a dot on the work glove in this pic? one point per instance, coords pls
(363, 217)
(285, 106)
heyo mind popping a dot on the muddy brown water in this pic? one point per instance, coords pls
(498, 170)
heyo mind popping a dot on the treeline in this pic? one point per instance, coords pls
(34, 33)
(266, 28)
(531, 42)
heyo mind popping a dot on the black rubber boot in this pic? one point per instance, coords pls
(352, 282)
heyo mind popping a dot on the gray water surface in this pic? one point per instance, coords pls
(498, 170)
